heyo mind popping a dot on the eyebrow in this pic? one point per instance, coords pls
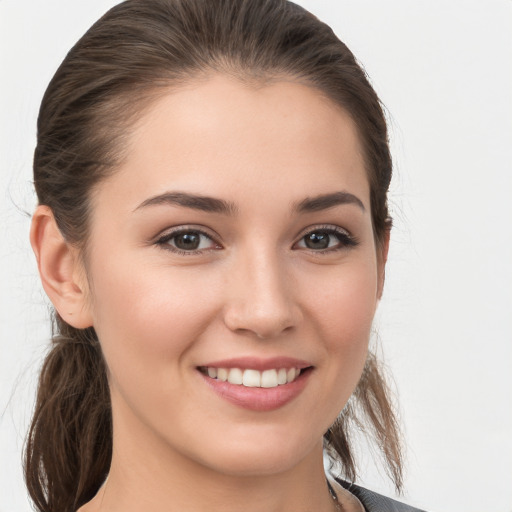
(326, 201)
(196, 202)
(215, 205)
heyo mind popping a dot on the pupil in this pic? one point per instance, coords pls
(317, 241)
(187, 241)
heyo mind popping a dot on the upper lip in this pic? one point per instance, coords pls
(258, 363)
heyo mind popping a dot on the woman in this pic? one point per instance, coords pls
(212, 230)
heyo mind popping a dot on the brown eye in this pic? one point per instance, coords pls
(187, 241)
(327, 239)
(317, 240)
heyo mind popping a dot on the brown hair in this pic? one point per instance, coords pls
(137, 50)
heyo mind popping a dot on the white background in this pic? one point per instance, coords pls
(444, 71)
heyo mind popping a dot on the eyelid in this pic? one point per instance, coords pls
(172, 230)
(164, 236)
(351, 240)
(323, 227)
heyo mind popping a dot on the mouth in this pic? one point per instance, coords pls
(268, 388)
(252, 378)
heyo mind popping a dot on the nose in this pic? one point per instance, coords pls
(261, 298)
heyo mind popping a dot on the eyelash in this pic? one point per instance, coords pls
(164, 240)
(346, 240)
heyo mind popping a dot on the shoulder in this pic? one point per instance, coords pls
(374, 502)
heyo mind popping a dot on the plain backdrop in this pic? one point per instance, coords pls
(444, 71)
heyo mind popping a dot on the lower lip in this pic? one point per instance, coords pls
(258, 399)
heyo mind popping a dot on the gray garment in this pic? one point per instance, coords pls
(373, 502)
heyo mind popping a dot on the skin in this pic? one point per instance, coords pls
(253, 289)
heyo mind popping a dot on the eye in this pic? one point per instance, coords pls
(187, 241)
(326, 239)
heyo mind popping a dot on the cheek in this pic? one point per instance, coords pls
(148, 326)
(345, 309)
(150, 319)
(343, 316)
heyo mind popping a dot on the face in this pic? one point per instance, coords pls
(235, 242)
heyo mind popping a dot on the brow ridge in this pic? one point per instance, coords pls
(326, 201)
(193, 201)
(215, 205)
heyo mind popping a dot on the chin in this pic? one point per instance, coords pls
(261, 456)
(265, 464)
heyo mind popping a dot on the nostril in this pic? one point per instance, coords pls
(262, 326)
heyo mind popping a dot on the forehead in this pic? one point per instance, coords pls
(220, 136)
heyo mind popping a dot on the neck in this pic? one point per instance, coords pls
(146, 474)
(155, 485)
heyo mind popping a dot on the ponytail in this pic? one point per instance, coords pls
(369, 411)
(69, 444)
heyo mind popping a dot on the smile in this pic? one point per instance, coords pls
(266, 389)
(251, 378)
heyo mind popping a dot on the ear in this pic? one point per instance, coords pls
(60, 269)
(382, 258)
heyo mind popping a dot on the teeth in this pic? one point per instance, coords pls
(269, 379)
(253, 378)
(235, 376)
(281, 376)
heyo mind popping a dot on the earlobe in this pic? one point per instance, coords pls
(59, 270)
